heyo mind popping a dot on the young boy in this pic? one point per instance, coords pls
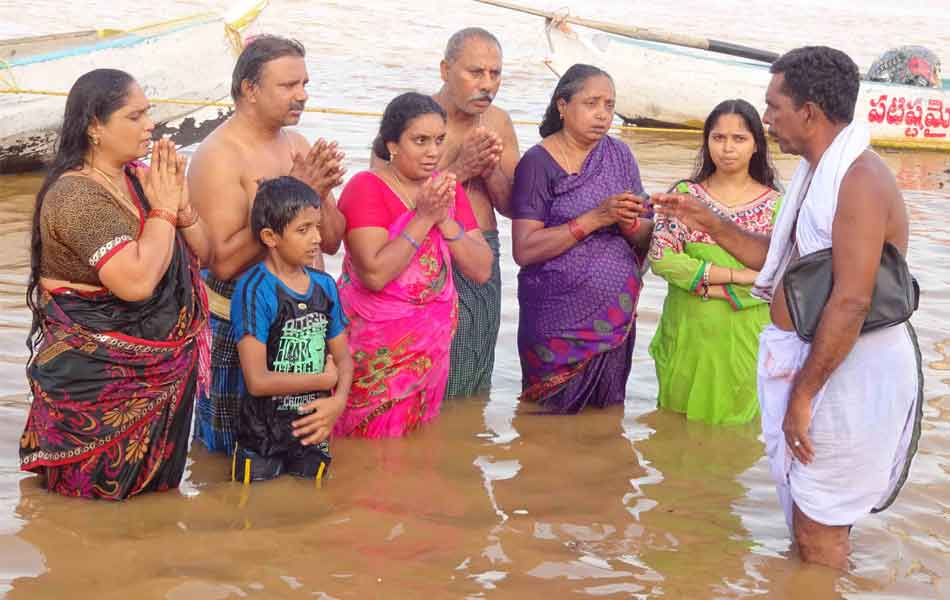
(285, 316)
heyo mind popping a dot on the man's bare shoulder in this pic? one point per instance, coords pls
(869, 175)
(220, 150)
(297, 141)
(498, 119)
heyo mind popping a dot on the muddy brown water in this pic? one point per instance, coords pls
(492, 501)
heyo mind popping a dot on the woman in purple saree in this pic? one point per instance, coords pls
(580, 234)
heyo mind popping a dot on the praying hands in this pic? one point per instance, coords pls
(479, 155)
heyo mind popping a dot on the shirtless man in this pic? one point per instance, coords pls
(838, 414)
(268, 90)
(482, 151)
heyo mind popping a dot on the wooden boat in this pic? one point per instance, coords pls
(673, 85)
(670, 79)
(188, 59)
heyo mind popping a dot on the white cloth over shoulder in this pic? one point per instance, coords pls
(812, 206)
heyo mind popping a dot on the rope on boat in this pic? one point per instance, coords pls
(333, 111)
(891, 144)
(7, 77)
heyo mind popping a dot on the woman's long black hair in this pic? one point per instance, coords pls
(760, 165)
(571, 82)
(97, 94)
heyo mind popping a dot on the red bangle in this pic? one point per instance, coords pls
(167, 215)
(576, 230)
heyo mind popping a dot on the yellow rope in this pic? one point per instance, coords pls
(330, 111)
(158, 24)
(6, 76)
(895, 144)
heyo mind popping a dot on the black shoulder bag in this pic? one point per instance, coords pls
(808, 284)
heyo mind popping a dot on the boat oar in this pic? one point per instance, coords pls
(651, 35)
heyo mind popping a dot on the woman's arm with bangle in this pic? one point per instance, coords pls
(195, 232)
(640, 234)
(377, 259)
(697, 277)
(470, 252)
(533, 243)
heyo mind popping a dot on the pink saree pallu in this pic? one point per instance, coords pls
(400, 339)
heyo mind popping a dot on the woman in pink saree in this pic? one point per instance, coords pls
(406, 225)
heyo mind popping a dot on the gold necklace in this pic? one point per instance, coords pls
(115, 188)
(562, 148)
(402, 195)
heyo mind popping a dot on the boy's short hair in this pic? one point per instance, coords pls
(278, 201)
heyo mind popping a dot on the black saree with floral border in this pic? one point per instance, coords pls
(114, 383)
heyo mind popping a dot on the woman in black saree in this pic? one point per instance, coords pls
(119, 341)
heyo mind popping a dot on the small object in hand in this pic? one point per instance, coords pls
(797, 443)
(645, 199)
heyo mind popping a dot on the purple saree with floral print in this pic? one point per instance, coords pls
(578, 309)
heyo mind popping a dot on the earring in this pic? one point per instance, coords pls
(95, 140)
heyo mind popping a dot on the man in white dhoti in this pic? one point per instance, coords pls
(841, 415)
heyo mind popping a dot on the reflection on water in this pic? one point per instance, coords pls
(491, 501)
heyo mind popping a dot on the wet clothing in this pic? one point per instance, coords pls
(577, 310)
(705, 352)
(400, 335)
(295, 328)
(113, 382)
(866, 418)
(473, 347)
(218, 408)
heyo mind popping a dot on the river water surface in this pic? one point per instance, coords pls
(492, 501)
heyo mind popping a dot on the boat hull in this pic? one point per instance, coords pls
(192, 61)
(660, 83)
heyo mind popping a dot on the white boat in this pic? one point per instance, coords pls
(188, 60)
(665, 84)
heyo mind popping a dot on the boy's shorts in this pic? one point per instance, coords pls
(266, 446)
(301, 461)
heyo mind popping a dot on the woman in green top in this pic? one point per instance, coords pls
(706, 344)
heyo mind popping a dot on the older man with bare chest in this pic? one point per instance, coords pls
(253, 145)
(482, 151)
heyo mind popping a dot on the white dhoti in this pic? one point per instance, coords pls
(864, 429)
